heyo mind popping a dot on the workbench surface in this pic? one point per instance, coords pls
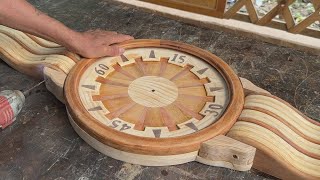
(41, 144)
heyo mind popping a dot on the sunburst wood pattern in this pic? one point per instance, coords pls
(29, 54)
(287, 142)
(151, 94)
(161, 94)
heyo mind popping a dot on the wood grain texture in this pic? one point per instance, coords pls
(239, 4)
(155, 146)
(287, 142)
(213, 8)
(225, 152)
(146, 160)
(24, 54)
(282, 9)
(54, 82)
(43, 42)
(306, 22)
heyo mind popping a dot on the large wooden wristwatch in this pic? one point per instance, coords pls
(166, 103)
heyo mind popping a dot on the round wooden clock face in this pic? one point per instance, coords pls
(154, 91)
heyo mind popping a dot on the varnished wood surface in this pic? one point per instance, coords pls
(141, 159)
(208, 7)
(71, 158)
(26, 55)
(287, 142)
(162, 146)
(299, 136)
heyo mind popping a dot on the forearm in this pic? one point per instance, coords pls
(19, 14)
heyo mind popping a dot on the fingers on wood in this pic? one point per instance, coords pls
(29, 54)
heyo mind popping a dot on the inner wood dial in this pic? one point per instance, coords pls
(154, 92)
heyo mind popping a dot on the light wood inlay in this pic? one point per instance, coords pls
(108, 81)
(140, 92)
(153, 91)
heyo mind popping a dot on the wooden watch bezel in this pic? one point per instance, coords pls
(155, 146)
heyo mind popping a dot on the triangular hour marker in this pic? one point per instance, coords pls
(157, 132)
(95, 108)
(215, 89)
(124, 59)
(152, 55)
(93, 87)
(201, 71)
(192, 126)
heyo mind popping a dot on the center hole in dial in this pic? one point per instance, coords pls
(153, 90)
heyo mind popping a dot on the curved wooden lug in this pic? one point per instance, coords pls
(54, 82)
(222, 151)
(287, 142)
(29, 54)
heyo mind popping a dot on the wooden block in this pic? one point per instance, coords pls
(223, 151)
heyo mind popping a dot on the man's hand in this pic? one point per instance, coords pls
(21, 15)
(98, 43)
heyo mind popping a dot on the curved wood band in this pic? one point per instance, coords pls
(29, 54)
(287, 142)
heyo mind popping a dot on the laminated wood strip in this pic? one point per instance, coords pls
(43, 42)
(28, 43)
(287, 142)
(146, 160)
(277, 148)
(288, 124)
(295, 119)
(25, 55)
(304, 146)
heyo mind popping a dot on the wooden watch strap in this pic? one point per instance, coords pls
(29, 54)
(287, 142)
